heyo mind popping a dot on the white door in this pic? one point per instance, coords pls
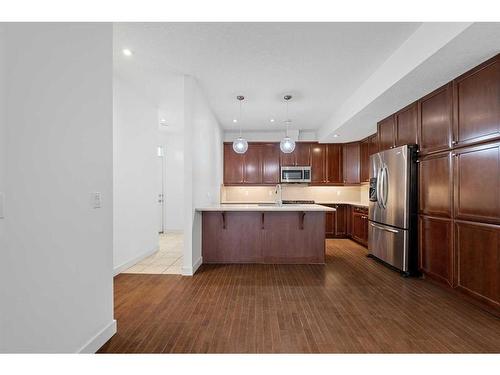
(161, 188)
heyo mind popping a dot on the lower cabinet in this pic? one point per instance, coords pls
(477, 248)
(336, 222)
(436, 248)
(359, 225)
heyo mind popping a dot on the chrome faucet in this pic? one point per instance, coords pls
(278, 192)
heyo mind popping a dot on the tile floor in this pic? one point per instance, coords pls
(167, 260)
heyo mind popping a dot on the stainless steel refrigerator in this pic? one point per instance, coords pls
(392, 225)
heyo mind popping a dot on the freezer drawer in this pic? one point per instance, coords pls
(389, 244)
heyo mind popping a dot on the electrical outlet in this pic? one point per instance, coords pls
(96, 200)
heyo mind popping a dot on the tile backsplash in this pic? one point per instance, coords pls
(319, 194)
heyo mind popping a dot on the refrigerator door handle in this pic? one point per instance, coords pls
(384, 228)
(379, 195)
(385, 186)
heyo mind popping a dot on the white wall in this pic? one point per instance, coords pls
(3, 132)
(271, 136)
(136, 175)
(56, 268)
(203, 167)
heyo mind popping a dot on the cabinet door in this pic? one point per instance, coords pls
(477, 183)
(435, 120)
(365, 160)
(270, 163)
(477, 103)
(303, 153)
(406, 125)
(341, 220)
(365, 229)
(385, 131)
(318, 163)
(436, 248)
(330, 224)
(435, 185)
(288, 160)
(477, 248)
(358, 226)
(373, 144)
(233, 165)
(351, 163)
(253, 165)
(334, 163)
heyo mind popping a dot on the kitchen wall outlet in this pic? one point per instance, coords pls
(2, 205)
(96, 200)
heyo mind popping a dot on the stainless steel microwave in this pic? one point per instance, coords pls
(295, 174)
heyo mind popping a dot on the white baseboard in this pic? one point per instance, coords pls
(99, 339)
(190, 271)
(122, 267)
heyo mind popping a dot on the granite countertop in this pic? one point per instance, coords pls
(265, 207)
(352, 203)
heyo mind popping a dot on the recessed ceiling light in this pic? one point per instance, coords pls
(335, 135)
(272, 120)
(235, 120)
(127, 52)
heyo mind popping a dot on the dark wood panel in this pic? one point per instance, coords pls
(231, 237)
(406, 125)
(435, 120)
(270, 163)
(365, 160)
(341, 220)
(233, 166)
(477, 103)
(477, 183)
(359, 225)
(334, 163)
(477, 249)
(330, 218)
(436, 185)
(351, 154)
(342, 306)
(436, 248)
(373, 144)
(294, 237)
(253, 165)
(303, 153)
(385, 131)
(318, 163)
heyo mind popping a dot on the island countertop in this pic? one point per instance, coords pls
(266, 207)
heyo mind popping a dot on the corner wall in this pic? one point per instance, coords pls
(203, 168)
(56, 266)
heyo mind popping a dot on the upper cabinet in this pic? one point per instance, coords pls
(233, 166)
(435, 112)
(318, 163)
(368, 147)
(477, 103)
(252, 167)
(405, 125)
(301, 156)
(334, 163)
(270, 164)
(385, 132)
(351, 157)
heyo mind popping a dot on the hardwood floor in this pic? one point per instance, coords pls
(352, 304)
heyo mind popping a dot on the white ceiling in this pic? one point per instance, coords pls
(320, 64)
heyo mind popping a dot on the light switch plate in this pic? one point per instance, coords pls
(2, 205)
(96, 200)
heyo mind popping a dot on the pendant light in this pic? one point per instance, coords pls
(287, 144)
(240, 145)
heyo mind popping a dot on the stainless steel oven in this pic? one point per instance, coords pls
(295, 174)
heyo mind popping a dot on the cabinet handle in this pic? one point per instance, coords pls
(223, 220)
(454, 142)
(302, 215)
(262, 221)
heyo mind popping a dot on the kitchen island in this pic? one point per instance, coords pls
(263, 233)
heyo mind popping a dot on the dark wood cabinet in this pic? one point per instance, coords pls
(436, 248)
(252, 166)
(476, 96)
(373, 140)
(301, 156)
(405, 125)
(477, 183)
(318, 163)
(477, 248)
(233, 166)
(435, 113)
(435, 185)
(270, 164)
(336, 222)
(365, 152)
(385, 132)
(334, 163)
(351, 161)
(359, 225)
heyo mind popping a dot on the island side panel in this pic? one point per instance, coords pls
(231, 237)
(263, 237)
(294, 238)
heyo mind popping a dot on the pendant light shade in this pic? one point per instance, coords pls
(240, 144)
(287, 145)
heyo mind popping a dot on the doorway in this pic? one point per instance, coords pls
(161, 189)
